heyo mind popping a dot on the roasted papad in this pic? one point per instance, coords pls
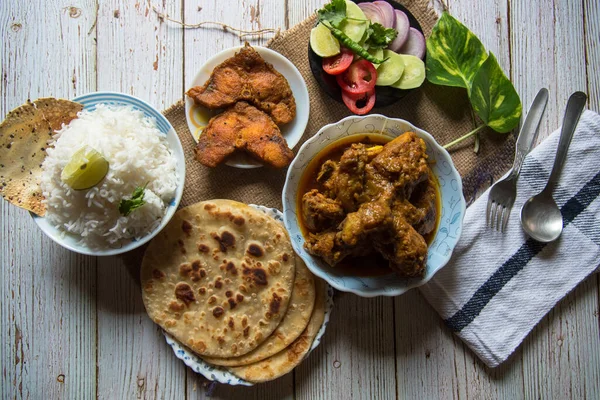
(24, 136)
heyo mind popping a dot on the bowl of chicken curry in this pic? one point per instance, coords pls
(373, 205)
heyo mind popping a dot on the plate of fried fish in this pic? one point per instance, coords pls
(247, 107)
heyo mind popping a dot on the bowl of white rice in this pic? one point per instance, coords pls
(142, 150)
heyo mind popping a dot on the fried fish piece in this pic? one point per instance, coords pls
(247, 76)
(243, 127)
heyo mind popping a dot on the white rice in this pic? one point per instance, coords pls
(137, 153)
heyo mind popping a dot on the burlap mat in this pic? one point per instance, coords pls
(442, 111)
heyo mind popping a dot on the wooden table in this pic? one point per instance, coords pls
(74, 326)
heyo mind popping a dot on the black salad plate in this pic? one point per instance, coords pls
(385, 95)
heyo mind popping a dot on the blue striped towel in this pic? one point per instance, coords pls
(498, 286)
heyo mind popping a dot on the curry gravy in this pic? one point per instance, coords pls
(373, 264)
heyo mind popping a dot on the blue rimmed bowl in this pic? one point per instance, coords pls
(453, 205)
(89, 102)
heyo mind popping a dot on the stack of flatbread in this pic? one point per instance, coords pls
(223, 279)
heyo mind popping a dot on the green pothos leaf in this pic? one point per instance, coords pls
(494, 97)
(454, 53)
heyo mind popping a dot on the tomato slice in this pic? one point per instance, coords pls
(360, 77)
(361, 103)
(337, 64)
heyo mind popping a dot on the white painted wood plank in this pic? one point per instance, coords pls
(560, 356)
(592, 47)
(125, 329)
(585, 337)
(199, 387)
(490, 23)
(547, 51)
(356, 358)
(549, 37)
(201, 44)
(432, 363)
(137, 54)
(47, 293)
(298, 11)
(425, 362)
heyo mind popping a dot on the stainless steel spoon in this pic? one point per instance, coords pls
(540, 216)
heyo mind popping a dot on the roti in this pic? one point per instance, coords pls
(219, 277)
(286, 360)
(24, 136)
(293, 324)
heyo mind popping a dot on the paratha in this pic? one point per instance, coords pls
(24, 136)
(219, 277)
(293, 324)
(286, 360)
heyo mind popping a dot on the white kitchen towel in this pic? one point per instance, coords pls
(498, 286)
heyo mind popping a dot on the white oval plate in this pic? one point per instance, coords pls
(197, 116)
(221, 374)
(90, 101)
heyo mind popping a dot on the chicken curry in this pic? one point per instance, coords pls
(370, 205)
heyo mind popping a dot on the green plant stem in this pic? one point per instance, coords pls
(476, 145)
(468, 135)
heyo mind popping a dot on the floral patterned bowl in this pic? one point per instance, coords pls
(452, 206)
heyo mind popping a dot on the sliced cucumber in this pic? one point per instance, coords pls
(390, 70)
(323, 43)
(377, 53)
(414, 73)
(354, 29)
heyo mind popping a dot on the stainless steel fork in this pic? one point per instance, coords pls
(503, 193)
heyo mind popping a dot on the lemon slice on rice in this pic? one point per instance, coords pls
(85, 170)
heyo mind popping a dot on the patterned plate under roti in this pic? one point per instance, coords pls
(221, 374)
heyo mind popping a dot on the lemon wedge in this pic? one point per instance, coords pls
(322, 42)
(85, 170)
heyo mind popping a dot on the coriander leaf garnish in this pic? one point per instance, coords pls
(127, 206)
(334, 13)
(379, 37)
